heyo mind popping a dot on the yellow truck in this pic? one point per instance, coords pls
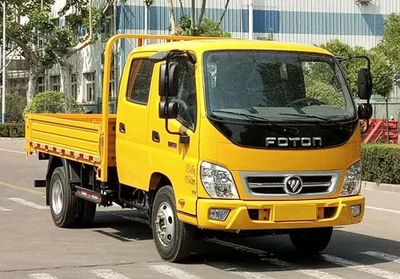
(213, 135)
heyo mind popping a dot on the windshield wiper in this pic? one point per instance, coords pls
(311, 116)
(248, 116)
(256, 118)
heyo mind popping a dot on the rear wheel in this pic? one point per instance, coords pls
(66, 209)
(86, 212)
(173, 238)
(62, 202)
(311, 241)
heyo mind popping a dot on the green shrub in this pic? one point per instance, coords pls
(381, 163)
(15, 104)
(14, 130)
(51, 102)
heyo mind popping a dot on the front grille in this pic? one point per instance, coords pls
(272, 184)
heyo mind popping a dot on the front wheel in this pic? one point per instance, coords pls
(311, 241)
(173, 238)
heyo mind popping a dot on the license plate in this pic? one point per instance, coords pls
(284, 213)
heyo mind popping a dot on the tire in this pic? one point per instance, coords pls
(174, 240)
(86, 213)
(63, 205)
(66, 209)
(311, 241)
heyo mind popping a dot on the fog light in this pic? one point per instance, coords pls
(218, 214)
(356, 210)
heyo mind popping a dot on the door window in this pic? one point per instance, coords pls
(186, 96)
(139, 81)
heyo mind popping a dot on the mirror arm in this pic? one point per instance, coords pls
(363, 57)
(183, 136)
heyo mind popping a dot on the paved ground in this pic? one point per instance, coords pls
(118, 247)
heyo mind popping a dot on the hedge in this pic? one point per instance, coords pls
(12, 130)
(381, 163)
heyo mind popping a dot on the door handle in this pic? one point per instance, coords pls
(122, 128)
(155, 136)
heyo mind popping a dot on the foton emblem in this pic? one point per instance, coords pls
(293, 185)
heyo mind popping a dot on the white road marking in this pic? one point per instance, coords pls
(250, 275)
(12, 151)
(309, 272)
(382, 256)
(382, 209)
(240, 271)
(4, 209)
(172, 271)
(41, 276)
(27, 203)
(318, 274)
(108, 274)
(278, 262)
(360, 267)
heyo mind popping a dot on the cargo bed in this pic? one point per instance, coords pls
(76, 137)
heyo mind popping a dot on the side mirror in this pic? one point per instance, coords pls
(364, 84)
(169, 89)
(364, 111)
(168, 109)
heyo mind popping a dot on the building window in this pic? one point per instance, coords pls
(111, 84)
(90, 86)
(55, 83)
(139, 81)
(40, 43)
(74, 86)
(41, 84)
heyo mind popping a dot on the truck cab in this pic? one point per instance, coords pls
(271, 136)
(235, 135)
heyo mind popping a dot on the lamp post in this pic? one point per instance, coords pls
(251, 6)
(3, 66)
(146, 10)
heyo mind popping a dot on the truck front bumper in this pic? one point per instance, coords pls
(275, 215)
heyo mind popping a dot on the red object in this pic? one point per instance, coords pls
(381, 130)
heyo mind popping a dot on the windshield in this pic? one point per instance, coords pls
(275, 86)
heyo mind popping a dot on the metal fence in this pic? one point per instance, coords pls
(385, 108)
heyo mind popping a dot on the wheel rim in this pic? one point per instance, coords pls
(164, 223)
(57, 197)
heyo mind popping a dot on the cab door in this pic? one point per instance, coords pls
(132, 121)
(178, 161)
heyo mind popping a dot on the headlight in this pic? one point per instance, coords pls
(352, 182)
(218, 181)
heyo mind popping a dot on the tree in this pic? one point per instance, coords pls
(190, 25)
(390, 44)
(382, 72)
(67, 40)
(59, 42)
(28, 23)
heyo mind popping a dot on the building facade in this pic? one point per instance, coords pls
(355, 22)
